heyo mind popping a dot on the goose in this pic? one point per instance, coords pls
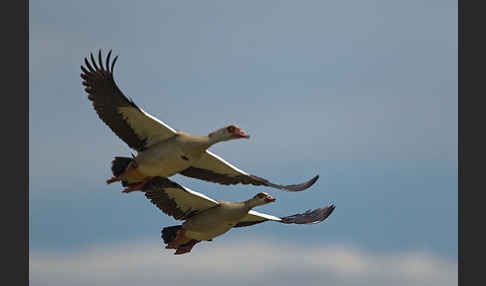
(206, 218)
(161, 150)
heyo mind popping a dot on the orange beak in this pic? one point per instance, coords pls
(241, 134)
(270, 199)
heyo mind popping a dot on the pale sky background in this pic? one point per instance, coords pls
(363, 93)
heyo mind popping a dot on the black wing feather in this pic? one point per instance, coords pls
(107, 98)
(308, 217)
(158, 190)
(154, 192)
(211, 176)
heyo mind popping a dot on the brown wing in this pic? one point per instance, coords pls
(214, 169)
(308, 217)
(175, 200)
(130, 123)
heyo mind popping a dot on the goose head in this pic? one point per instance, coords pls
(227, 133)
(260, 199)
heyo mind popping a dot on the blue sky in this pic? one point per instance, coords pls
(363, 93)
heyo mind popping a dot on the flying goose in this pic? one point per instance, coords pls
(206, 218)
(161, 150)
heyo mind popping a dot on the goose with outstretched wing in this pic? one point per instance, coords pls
(205, 218)
(161, 150)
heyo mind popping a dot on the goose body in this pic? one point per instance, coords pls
(215, 221)
(206, 218)
(171, 156)
(161, 150)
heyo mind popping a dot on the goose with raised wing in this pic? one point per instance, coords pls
(161, 150)
(205, 218)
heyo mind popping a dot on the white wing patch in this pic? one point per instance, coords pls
(188, 200)
(195, 194)
(254, 216)
(216, 164)
(146, 126)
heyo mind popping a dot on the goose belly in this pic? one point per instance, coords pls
(211, 223)
(207, 234)
(163, 162)
(164, 167)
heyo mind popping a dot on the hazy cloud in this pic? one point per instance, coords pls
(239, 262)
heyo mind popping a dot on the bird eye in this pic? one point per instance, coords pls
(231, 129)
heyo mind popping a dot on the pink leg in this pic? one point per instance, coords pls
(113, 179)
(136, 187)
(186, 248)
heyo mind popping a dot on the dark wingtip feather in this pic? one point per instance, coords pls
(331, 209)
(312, 181)
(88, 65)
(93, 61)
(84, 76)
(100, 61)
(309, 217)
(113, 64)
(300, 187)
(108, 61)
(84, 70)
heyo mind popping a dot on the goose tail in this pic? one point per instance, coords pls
(170, 233)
